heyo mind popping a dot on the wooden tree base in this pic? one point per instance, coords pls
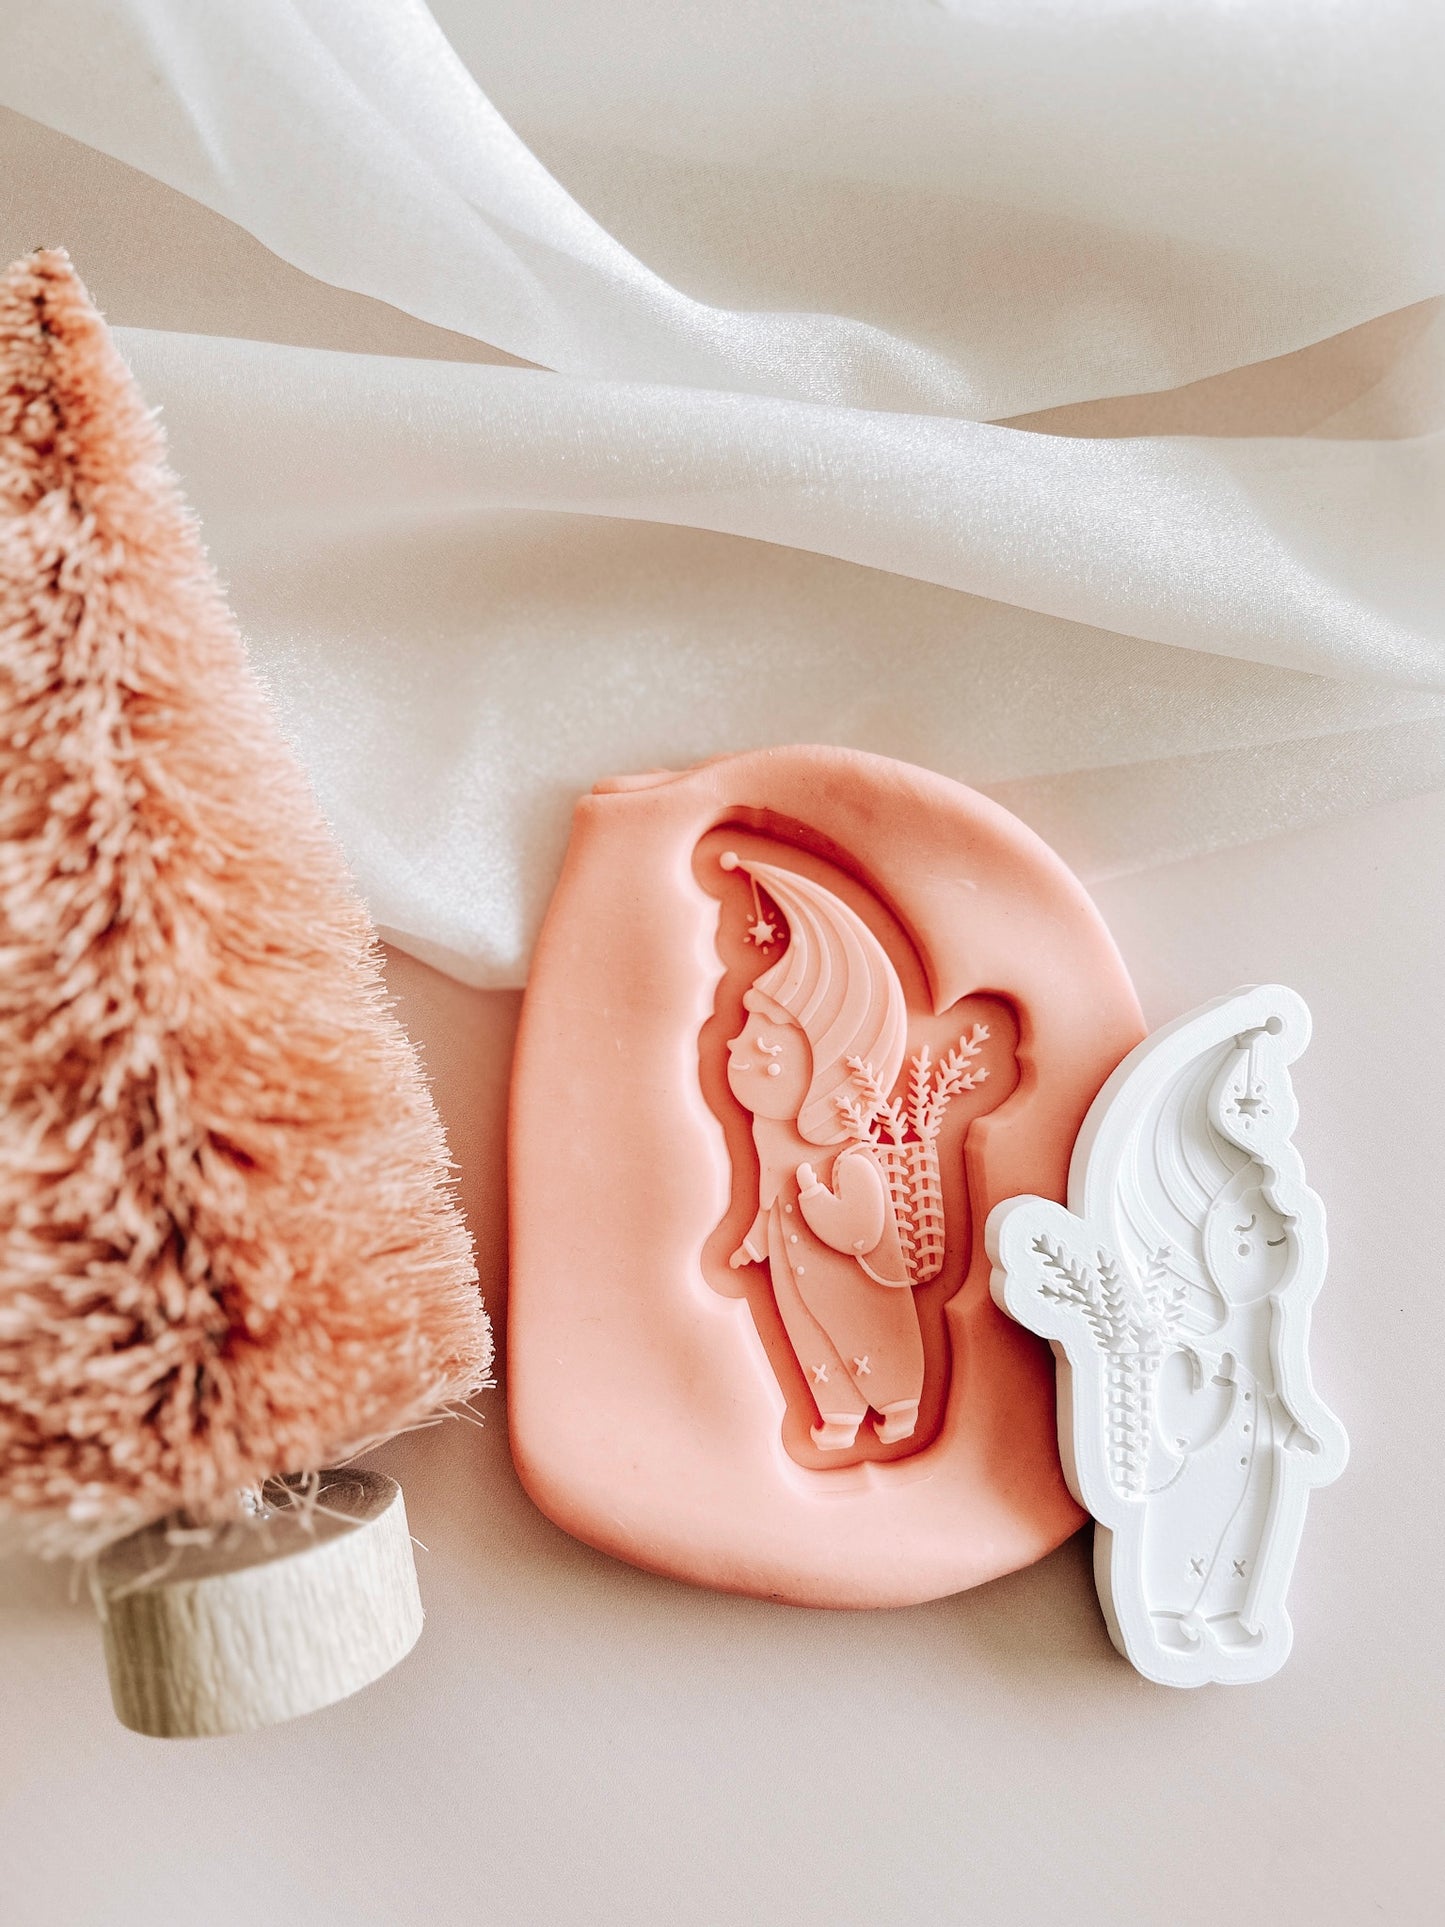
(278, 1616)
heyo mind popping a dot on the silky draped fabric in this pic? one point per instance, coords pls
(1097, 197)
(779, 267)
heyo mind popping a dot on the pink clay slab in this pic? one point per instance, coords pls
(796, 1021)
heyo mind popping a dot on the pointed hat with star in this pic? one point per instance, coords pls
(837, 984)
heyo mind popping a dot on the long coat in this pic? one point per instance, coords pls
(843, 1288)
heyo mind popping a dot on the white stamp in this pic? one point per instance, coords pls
(1176, 1292)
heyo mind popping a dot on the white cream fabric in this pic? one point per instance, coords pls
(799, 281)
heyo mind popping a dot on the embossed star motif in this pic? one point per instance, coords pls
(762, 933)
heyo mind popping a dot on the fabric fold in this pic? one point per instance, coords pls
(477, 590)
(781, 272)
(976, 210)
(1308, 554)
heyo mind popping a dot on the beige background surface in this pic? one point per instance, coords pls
(573, 1741)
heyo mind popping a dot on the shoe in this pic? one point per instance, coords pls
(898, 1421)
(836, 1433)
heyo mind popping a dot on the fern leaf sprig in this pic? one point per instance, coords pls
(865, 1082)
(1120, 1304)
(1075, 1285)
(1163, 1290)
(920, 1088)
(876, 1106)
(856, 1119)
(955, 1074)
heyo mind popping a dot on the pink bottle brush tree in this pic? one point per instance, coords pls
(228, 1244)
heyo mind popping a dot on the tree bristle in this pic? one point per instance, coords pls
(228, 1243)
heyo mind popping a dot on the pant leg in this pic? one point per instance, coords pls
(830, 1380)
(873, 1328)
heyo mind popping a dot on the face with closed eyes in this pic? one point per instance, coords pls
(770, 1067)
(1248, 1245)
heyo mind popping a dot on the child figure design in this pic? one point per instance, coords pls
(850, 1209)
(1176, 1291)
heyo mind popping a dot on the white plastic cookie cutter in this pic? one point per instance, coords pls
(1176, 1291)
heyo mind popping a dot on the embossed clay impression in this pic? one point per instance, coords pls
(796, 1021)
